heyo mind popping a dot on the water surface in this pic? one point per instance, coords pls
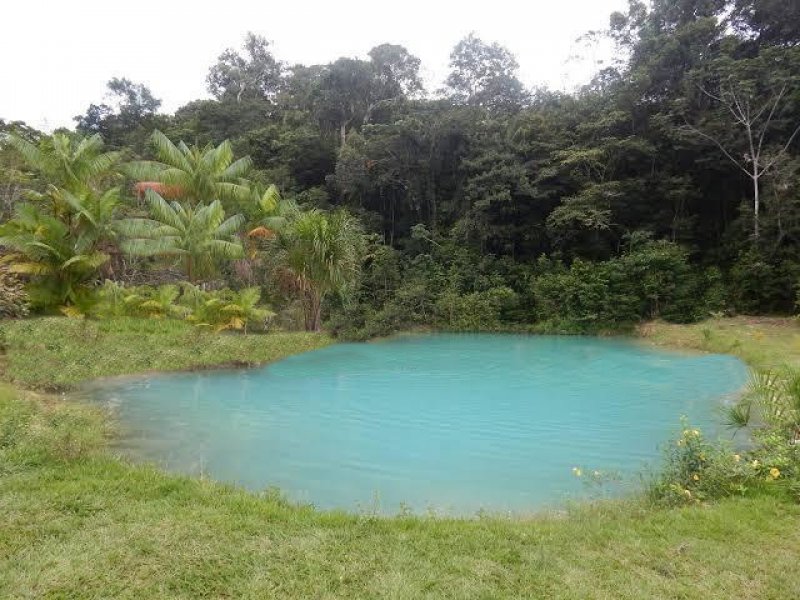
(450, 423)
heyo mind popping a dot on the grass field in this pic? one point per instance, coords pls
(762, 342)
(79, 523)
(55, 353)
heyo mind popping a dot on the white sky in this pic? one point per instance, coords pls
(57, 55)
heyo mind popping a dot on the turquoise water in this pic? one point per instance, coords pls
(449, 423)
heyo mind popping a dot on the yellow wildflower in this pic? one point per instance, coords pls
(696, 477)
(687, 493)
(755, 464)
(737, 457)
(577, 472)
(774, 472)
(695, 432)
(680, 442)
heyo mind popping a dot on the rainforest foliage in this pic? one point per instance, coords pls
(669, 186)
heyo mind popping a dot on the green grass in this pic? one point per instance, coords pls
(79, 523)
(762, 342)
(56, 353)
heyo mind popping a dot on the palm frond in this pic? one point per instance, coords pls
(151, 247)
(162, 211)
(168, 152)
(143, 170)
(31, 153)
(230, 226)
(224, 249)
(237, 169)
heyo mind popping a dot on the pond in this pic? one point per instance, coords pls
(446, 423)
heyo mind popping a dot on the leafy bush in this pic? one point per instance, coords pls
(217, 310)
(478, 311)
(762, 283)
(696, 470)
(13, 299)
(653, 281)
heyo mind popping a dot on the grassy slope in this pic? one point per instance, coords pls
(762, 342)
(77, 523)
(56, 353)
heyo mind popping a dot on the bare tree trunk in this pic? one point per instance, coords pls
(755, 125)
(756, 201)
(312, 310)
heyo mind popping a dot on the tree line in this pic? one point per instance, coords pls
(667, 186)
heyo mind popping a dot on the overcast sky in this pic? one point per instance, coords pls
(57, 55)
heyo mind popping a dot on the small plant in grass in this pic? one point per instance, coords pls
(595, 481)
(241, 308)
(772, 402)
(697, 470)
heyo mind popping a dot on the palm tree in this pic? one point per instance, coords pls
(59, 261)
(160, 303)
(321, 253)
(269, 211)
(242, 309)
(198, 235)
(63, 236)
(194, 174)
(66, 161)
(773, 397)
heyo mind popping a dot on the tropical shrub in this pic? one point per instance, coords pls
(195, 175)
(68, 161)
(477, 311)
(320, 254)
(652, 281)
(62, 237)
(197, 237)
(697, 470)
(217, 310)
(225, 309)
(59, 256)
(763, 283)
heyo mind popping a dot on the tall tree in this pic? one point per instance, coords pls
(752, 95)
(396, 71)
(124, 119)
(255, 73)
(484, 75)
(344, 95)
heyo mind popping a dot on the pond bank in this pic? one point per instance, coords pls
(79, 523)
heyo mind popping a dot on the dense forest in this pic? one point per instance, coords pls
(668, 187)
